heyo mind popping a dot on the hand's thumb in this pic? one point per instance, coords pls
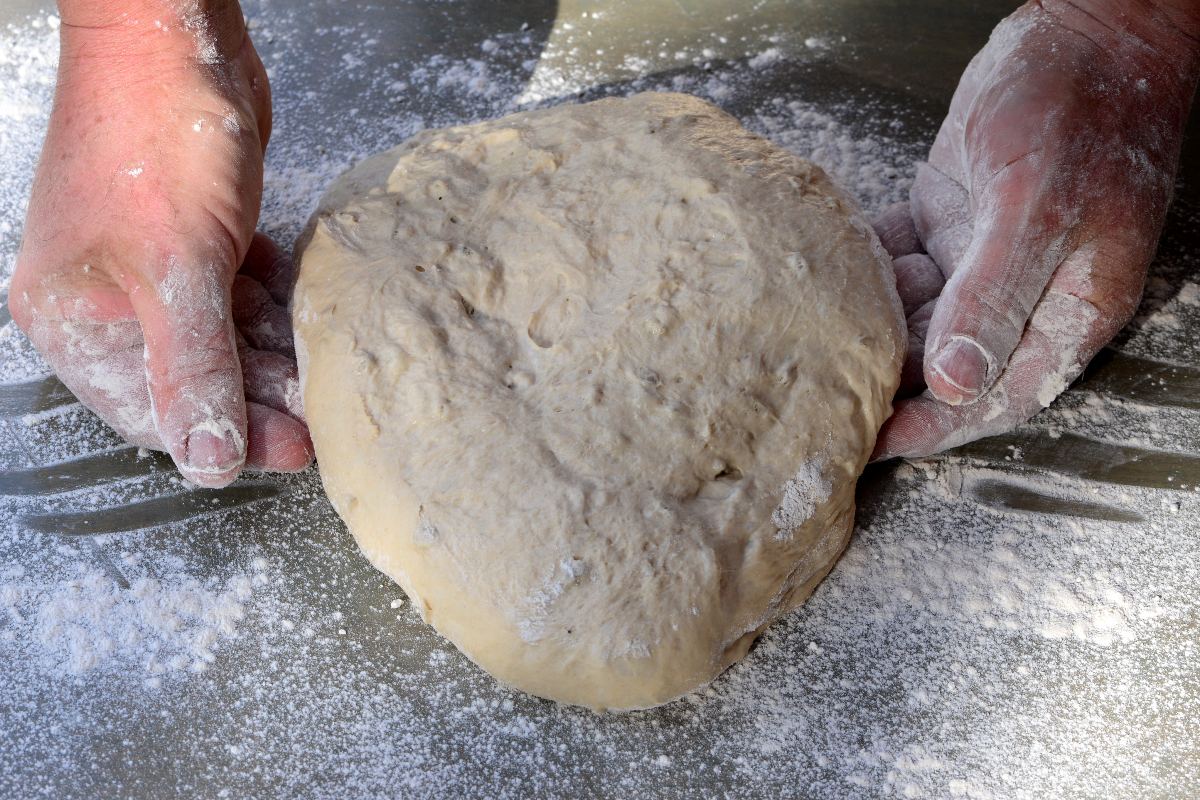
(984, 307)
(193, 373)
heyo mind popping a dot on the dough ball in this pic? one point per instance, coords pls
(593, 384)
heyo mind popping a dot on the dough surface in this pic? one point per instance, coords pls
(594, 384)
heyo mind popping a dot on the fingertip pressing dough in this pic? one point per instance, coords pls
(594, 384)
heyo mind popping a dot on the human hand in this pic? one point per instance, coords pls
(143, 208)
(1039, 210)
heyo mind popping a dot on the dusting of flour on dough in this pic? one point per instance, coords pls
(802, 494)
(532, 627)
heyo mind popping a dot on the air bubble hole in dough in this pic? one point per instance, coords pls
(594, 384)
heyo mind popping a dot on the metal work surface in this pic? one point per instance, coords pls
(1014, 619)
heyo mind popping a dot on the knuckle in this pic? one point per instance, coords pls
(20, 308)
(212, 363)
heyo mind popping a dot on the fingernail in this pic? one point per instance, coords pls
(962, 365)
(211, 456)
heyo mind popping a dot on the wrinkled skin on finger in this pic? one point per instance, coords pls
(1040, 209)
(143, 210)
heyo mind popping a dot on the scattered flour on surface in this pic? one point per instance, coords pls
(159, 625)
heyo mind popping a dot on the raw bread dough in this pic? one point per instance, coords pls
(594, 385)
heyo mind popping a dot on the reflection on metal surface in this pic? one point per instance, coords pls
(1090, 459)
(34, 397)
(1111, 373)
(613, 34)
(106, 563)
(96, 470)
(151, 513)
(1012, 497)
(1142, 380)
(82, 473)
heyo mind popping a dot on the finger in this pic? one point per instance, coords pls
(271, 379)
(268, 264)
(193, 373)
(83, 325)
(925, 425)
(912, 377)
(940, 203)
(897, 232)
(265, 325)
(278, 442)
(918, 280)
(260, 89)
(941, 212)
(102, 363)
(1018, 241)
(1091, 297)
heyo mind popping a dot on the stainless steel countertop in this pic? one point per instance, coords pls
(327, 690)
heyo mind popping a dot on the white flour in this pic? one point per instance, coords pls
(157, 625)
(801, 495)
(957, 650)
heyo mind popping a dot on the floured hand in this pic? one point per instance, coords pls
(143, 208)
(1039, 211)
